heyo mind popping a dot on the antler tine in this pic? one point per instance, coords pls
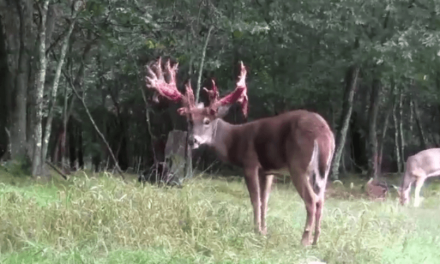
(189, 95)
(243, 100)
(158, 66)
(172, 71)
(154, 75)
(148, 79)
(213, 93)
(239, 94)
(188, 100)
(214, 87)
(242, 77)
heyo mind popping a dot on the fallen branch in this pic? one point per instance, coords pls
(57, 170)
(97, 130)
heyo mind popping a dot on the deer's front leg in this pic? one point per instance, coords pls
(252, 183)
(265, 188)
(419, 184)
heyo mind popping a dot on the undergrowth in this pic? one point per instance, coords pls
(104, 220)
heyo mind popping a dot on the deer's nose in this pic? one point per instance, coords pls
(191, 141)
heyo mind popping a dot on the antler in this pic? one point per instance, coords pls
(158, 83)
(238, 95)
(169, 89)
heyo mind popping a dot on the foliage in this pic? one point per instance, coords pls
(297, 55)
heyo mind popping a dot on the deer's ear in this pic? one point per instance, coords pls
(222, 111)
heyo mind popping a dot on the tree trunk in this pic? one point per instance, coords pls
(411, 116)
(422, 137)
(18, 94)
(372, 130)
(4, 87)
(68, 107)
(52, 16)
(396, 135)
(71, 127)
(347, 108)
(32, 83)
(401, 132)
(384, 131)
(80, 147)
(63, 131)
(55, 86)
(57, 149)
(36, 161)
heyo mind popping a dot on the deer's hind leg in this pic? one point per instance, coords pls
(300, 178)
(318, 215)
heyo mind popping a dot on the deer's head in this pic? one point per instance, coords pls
(403, 194)
(203, 118)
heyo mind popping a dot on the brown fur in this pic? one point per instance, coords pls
(267, 145)
(300, 142)
(376, 189)
(283, 142)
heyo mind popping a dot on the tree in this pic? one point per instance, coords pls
(36, 159)
(297, 54)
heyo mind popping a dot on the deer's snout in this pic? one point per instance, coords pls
(194, 142)
(191, 140)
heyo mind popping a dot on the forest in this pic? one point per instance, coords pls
(74, 101)
(369, 68)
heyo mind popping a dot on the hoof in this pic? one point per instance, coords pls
(306, 238)
(305, 242)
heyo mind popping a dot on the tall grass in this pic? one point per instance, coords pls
(103, 220)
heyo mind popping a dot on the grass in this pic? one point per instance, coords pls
(103, 220)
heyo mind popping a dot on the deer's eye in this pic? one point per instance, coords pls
(206, 121)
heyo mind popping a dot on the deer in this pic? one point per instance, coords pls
(298, 142)
(418, 168)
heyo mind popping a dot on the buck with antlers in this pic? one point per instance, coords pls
(418, 168)
(298, 142)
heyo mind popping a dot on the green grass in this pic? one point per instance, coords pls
(104, 220)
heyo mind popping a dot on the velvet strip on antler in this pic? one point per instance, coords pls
(188, 100)
(156, 81)
(238, 95)
(169, 89)
(213, 93)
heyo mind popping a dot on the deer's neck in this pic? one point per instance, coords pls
(223, 138)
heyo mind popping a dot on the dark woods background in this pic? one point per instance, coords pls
(371, 68)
